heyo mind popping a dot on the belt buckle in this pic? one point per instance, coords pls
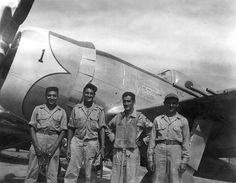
(44, 131)
(168, 142)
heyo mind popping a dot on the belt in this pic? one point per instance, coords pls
(86, 140)
(168, 142)
(124, 149)
(47, 131)
(91, 139)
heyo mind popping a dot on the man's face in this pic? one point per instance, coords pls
(88, 95)
(128, 103)
(51, 97)
(171, 105)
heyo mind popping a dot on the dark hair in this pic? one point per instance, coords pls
(51, 88)
(132, 95)
(91, 86)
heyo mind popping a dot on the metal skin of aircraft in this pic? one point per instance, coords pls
(34, 59)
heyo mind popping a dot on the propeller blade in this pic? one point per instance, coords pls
(5, 18)
(16, 20)
(22, 11)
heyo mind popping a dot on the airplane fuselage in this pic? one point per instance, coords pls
(44, 58)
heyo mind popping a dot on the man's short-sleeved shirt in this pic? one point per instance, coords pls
(170, 128)
(129, 135)
(87, 121)
(142, 121)
(43, 118)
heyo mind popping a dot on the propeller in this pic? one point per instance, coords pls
(9, 25)
(5, 18)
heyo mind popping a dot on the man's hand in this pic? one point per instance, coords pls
(51, 150)
(151, 166)
(38, 150)
(68, 154)
(146, 140)
(110, 135)
(182, 168)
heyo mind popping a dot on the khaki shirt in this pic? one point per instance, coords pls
(172, 128)
(87, 121)
(142, 123)
(43, 118)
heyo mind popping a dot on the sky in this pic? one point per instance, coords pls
(196, 37)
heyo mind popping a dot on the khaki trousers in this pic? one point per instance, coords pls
(45, 141)
(81, 152)
(125, 165)
(167, 159)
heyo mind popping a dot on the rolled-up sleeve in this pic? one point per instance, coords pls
(186, 142)
(33, 120)
(148, 125)
(151, 144)
(63, 121)
(71, 123)
(144, 122)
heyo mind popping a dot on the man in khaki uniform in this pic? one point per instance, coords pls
(86, 121)
(47, 128)
(168, 150)
(125, 128)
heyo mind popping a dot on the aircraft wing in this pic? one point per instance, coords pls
(221, 109)
(212, 124)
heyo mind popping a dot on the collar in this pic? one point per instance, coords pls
(44, 106)
(133, 114)
(84, 108)
(92, 106)
(174, 118)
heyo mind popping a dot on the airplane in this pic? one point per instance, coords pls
(33, 59)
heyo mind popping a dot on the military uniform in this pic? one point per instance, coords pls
(168, 147)
(126, 156)
(84, 145)
(48, 124)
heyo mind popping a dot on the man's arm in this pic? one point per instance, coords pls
(33, 127)
(70, 133)
(147, 124)
(151, 146)
(110, 131)
(102, 126)
(102, 139)
(185, 146)
(185, 143)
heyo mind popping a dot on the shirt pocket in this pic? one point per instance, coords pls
(42, 120)
(94, 119)
(42, 116)
(57, 121)
(79, 120)
(161, 130)
(177, 131)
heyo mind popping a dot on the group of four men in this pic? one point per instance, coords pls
(167, 139)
